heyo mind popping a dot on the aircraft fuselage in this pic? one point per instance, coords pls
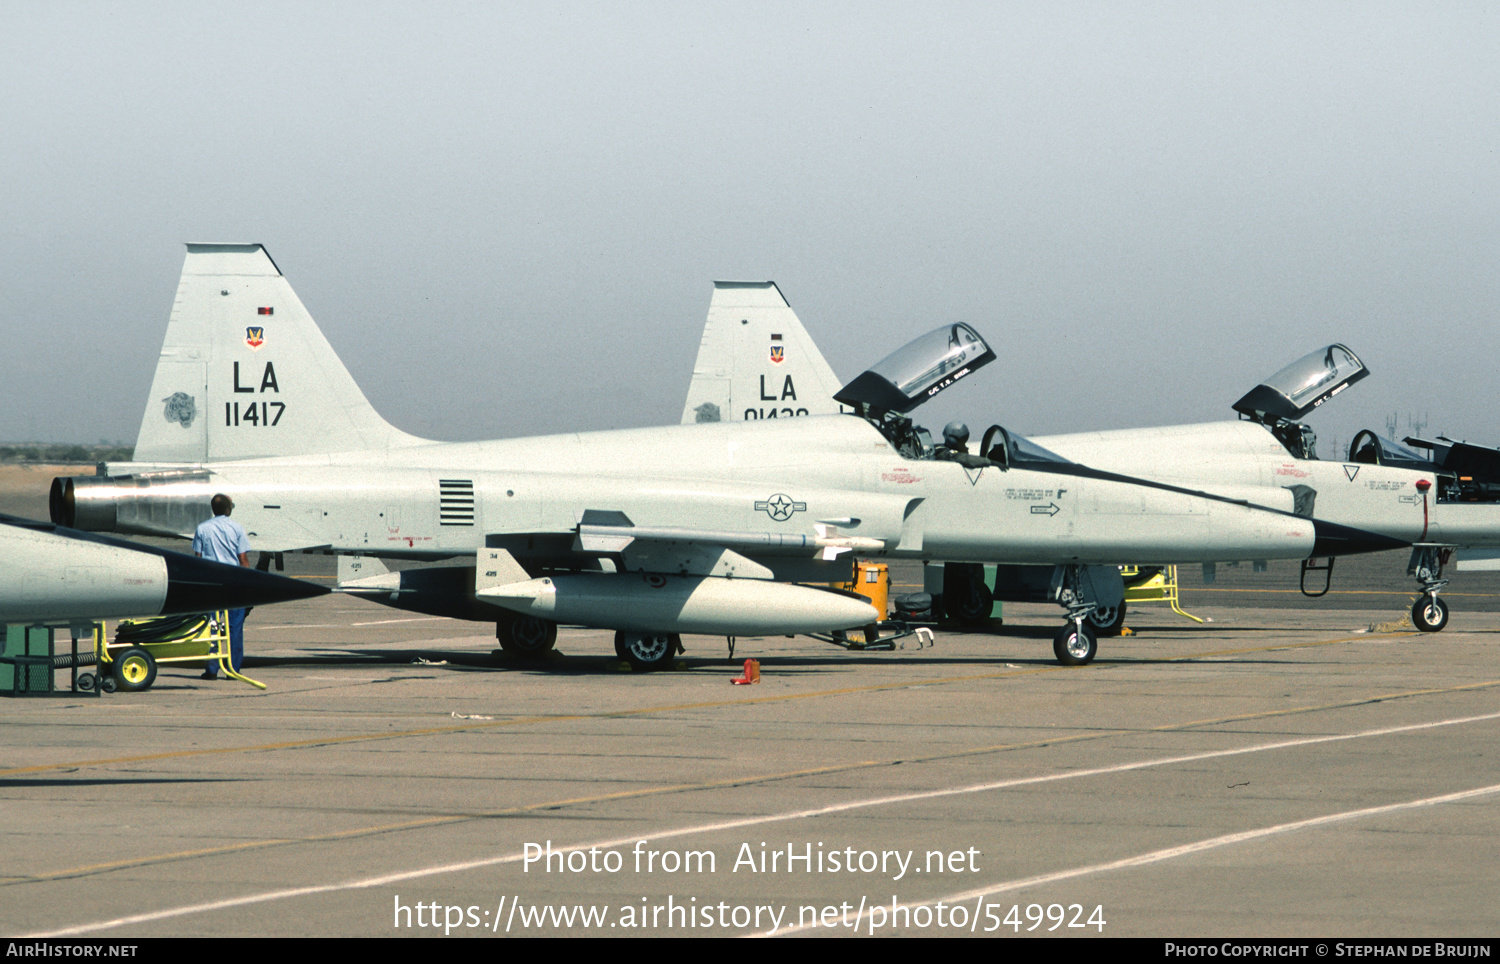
(747, 479)
(1229, 456)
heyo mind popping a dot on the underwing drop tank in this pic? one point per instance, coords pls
(708, 605)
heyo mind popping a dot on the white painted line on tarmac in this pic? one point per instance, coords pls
(376, 622)
(720, 826)
(1155, 856)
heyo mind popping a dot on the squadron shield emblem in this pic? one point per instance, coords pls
(778, 354)
(181, 409)
(255, 337)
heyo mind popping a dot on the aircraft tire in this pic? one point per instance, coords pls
(970, 600)
(1429, 614)
(1075, 645)
(1107, 620)
(647, 651)
(135, 670)
(526, 637)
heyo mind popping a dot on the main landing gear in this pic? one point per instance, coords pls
(647, 651)
(1107, 620)
(525, 637)
(1429, 613)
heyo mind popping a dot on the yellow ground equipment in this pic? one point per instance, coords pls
(1154, 585)
(873, 581)
(129, 663)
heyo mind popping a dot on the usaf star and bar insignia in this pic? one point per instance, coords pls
(780, 507)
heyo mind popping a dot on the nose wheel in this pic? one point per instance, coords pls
(1430, 613)
(1075, 644)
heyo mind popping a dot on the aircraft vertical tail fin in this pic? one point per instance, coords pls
(245, 373)
(756, 360)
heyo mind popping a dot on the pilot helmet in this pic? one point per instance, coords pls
(955, 435)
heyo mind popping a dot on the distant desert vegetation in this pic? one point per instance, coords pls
(54, 453)
(27, 470)
(24, 486)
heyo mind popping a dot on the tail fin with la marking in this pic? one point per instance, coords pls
(756, 360)
(245, 373)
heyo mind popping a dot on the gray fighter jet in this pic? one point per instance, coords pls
(1440, 503)
(1447, 499)
(714, 527)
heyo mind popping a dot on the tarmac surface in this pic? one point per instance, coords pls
(1291, 768)
(1270, 773)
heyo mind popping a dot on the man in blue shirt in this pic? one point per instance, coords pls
(223, 540)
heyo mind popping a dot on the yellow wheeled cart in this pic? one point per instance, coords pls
(129, 663)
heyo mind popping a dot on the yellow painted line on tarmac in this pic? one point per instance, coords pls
(780, 776)
(1411, 593)
(651, 710)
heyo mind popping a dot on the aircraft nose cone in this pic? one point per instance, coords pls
(197, 586)
(1332, 539)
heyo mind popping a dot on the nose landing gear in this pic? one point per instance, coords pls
(1078, 641)
(1429, 613)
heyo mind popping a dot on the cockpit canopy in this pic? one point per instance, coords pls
(1370, 449)
(911, 375)
(1303, 385)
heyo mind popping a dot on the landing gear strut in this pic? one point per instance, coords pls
(1429, 613)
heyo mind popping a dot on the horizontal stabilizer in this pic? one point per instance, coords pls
(366, 573)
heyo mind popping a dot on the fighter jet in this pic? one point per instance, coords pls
(712, 528)
(1440, 502)
(52, 574)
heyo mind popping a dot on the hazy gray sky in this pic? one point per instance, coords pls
(506, 217)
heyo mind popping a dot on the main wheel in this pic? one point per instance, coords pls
(968, 599)
(135, 670)
(1075, 645)
(526, 637)
(647, 651)
(1107, 620)
(1429, 614)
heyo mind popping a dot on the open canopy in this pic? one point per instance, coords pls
(1303, 385)
(911, 375)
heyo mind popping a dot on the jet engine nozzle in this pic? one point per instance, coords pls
(152, 504)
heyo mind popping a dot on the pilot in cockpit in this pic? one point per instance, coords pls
(955, 442)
